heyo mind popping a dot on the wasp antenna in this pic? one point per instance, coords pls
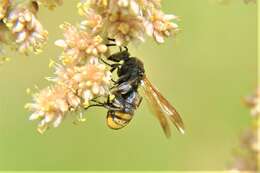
(111, 39)
(110, 44)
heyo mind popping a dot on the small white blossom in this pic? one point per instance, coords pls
(87, 81)
(127, 20)
(78, 45)
(159, 25)
(253, 102)
(28, 31)
(125, 28)
(50, 3)
(4, 5)
(49, 107)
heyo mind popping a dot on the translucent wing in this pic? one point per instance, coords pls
(162, 108)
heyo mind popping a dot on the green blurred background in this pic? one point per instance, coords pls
(205, 72)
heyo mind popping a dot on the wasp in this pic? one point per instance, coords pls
(126, 98)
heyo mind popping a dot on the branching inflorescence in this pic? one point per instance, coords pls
(244, 1)
(19, 26)
(247, 158)
(81, 75)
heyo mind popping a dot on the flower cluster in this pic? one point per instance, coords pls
(228, 1)
(250, 1)
(4, 5)
(51, 4)
(73, 89)
(88, 81)
(127, 20)
(49, 106)
(81, 76)
(27, 30)
(19, 25)
(79, 45)
(253, 102)
(248, 157)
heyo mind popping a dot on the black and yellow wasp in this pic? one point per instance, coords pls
(126, 98)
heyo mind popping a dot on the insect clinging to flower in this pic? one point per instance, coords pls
(125, 97)
(85, 67)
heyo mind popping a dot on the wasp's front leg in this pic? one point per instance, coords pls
(114, 67)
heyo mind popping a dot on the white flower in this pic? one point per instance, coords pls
(50, 3)
(149, 4)
(86, 81)
(159, 25)
(93, 21)
(4, 5)
(27, 30)
(129, 7)
(253, 102)
(125, 28)
(78, 45)
(49, 106)
(127, 20)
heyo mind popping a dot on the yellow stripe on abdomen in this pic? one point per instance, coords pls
(117, 120)
(123, 116)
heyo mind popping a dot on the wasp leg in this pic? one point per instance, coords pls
(120, 48)
(112, 108)
(97, 104)
(113, 81)
(108, 99)
(126, 48)
(123, 78)
(140, 101)
(105, 62)
(94, 105)
(104, 105)
(119, 83)
(114, 67)
(95, 101)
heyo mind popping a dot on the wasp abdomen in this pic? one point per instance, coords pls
(117, 120)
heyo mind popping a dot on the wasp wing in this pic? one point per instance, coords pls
(162, 108)
(158, 111)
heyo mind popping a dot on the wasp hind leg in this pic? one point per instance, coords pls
(94, 105)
